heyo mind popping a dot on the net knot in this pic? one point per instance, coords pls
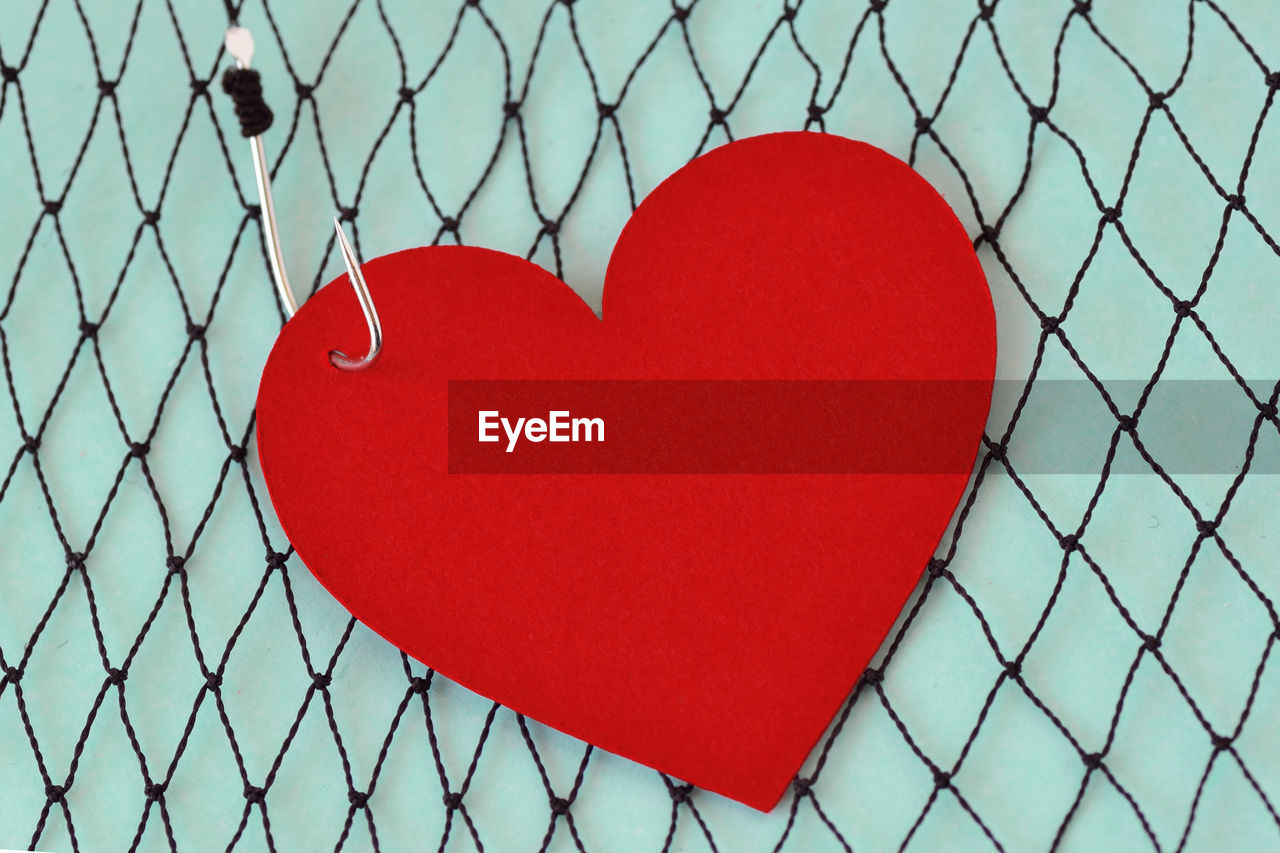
(254, 794)
(275, 560)
(923, 123)
(245, 88)
(986, 10)
(52, 206)
(419, 685)
(75, 561)
(816, 112)
(936, 568)
(1151, 642)
(1083, 7)
(254, 211)
(717, 115)
(1038, 113)
(54, 793)
(803, 786)
(680, 793)
(116, 676)
(9, 73)
(359, 799)
(1093, 760)
(406, 94)
(1070, 543)
(1222, 742)
(789, 13)
(1273, 79)
(1050, 324)
(303, 90)
(1111, 214)
(89, 330)
(606, 110)
(31, 444)
(1269, 411)
(1157, 99)
(681, 13)
(195, 331)
(12, 674)
(199, 87)
(175, 564)
(107, 87)
(150, 217)
(550, 227)
(1182, 308)
(321, 680)
(559, 806)
(1235, 202)
(449, 224)
(941, 779)
(511, 109)
(990, 233)
(1013, 668)
(877, 6)
(873, 676)
(348, 214)
(1127, 423)
(237, 453)
(154, 790)
(139, 449)
(998, 452)
(452, 800)
(213, 681)
(1206, 526)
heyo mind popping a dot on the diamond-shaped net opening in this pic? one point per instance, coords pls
(1087, 661)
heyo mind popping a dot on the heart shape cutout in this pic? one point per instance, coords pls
(705, 623)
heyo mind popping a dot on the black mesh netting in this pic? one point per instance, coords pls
(1087, 661)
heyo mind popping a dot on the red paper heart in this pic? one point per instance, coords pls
(706, 624)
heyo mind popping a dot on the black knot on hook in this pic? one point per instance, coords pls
(199, 87)
(9, 73)
(116, 676)
(511, 109)
(452, 800)
(1110, 214)
(245, 88)
(359, 799)
(348, 214)
(1038, 113)
(1182, 308)
(1127, 423)
(275, 560)
(31, 443)
(75, 561)
(1235, 202)
(54, 793)
(680, 793)
(449, 224)
(873, 676)
(154, 790)
(321, 680)
(195, 331)
(89, 330)
(1273, 79)
(52, 206)
(150, 217)
(107, 87)
(175, 564)
(406, 94)
(681, 13)
(717, 115)
(559, 806)
(923, 123)
(304, 90)
(1151, 642)
(139, 449)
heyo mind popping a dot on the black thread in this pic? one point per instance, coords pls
(244, 85)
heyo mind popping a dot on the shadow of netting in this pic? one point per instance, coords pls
(1087, 659)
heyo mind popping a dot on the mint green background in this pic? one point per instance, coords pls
(1021, 775)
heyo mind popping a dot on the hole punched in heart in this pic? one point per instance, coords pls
(255, 119)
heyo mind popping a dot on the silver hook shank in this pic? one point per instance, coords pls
(340, 359)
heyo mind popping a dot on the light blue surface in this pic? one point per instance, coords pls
(1021, 774)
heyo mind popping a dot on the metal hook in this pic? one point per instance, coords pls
(239, 43)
